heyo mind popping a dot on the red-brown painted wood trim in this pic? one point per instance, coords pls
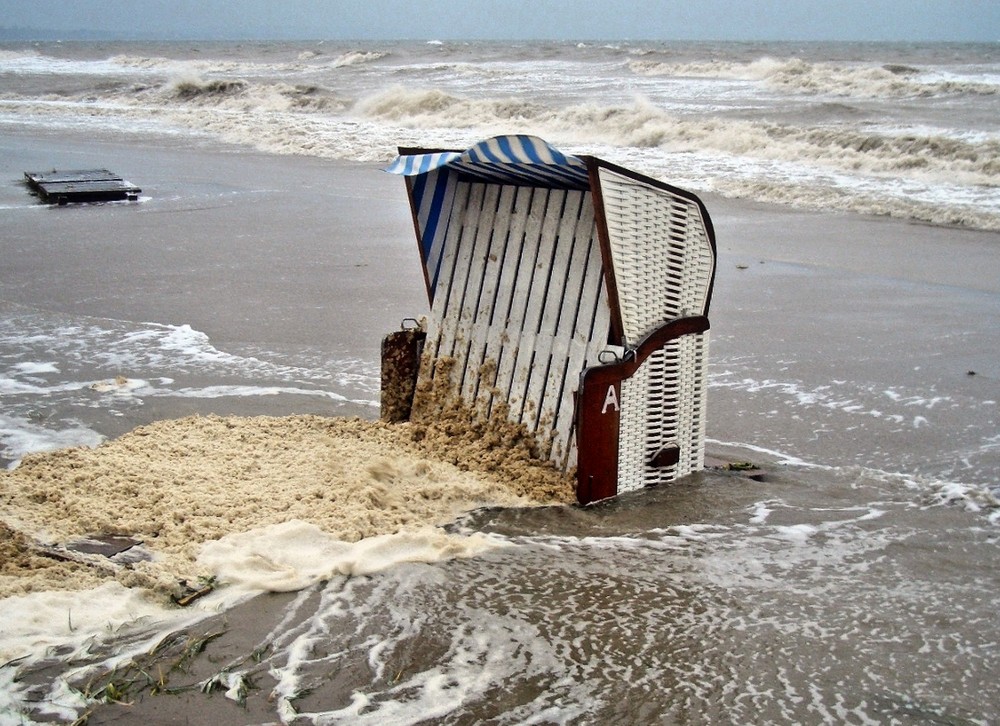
(598, 413)
(661, 336)
(597, 428)
(616, 334)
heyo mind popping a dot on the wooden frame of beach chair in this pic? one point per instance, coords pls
(569, 295)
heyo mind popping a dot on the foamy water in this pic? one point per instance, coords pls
(711, 601)
(905, 130)
(62, 375)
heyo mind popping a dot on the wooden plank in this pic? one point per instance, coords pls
(448, 340)
(500, 345)
(71, 175)
(550, 357)
(446, 275)
(507, 381)
(480, 279)
(523, 408)
(88, 187)
(592, 324)
(483, 331)
(569, 342)
(598, 417)
(80, 185)
(576, 345)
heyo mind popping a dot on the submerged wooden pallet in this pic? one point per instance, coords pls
(80, 185)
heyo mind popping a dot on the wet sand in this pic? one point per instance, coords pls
(278, 253)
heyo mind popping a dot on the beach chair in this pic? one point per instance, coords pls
(567, 294)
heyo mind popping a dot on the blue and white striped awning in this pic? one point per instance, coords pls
(515, 159)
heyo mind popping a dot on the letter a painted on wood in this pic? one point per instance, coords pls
(610, 399)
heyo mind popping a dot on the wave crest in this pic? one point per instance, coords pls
(136, 61)
(433, 107)
(251, 98)
(644, 125)
(865, 81)
(15, 55)
(189, 88)
(357, 57)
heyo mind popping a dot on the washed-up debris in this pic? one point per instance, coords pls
(189, 593)
(80, 185)
(104, 551)
(744, 468)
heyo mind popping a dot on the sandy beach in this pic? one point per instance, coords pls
(284, 253)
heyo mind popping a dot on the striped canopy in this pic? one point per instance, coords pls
(515, 159)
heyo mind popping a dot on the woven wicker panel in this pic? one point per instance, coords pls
(663, 404)
(519, 305)
(662, 255)
(632, 428)
(693, 385)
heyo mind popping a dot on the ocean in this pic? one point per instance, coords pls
(902, 129)
(854, 188)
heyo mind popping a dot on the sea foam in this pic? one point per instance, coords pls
(790, 129)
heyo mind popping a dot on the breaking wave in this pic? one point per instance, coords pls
(193, 87)
(823, 133)
(867, 81)
(244, 96)
(357, 57)
(644, 125)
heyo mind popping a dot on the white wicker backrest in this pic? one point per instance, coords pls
(663, 259)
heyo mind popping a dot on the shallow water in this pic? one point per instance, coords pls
(809, 597)
(835, 599)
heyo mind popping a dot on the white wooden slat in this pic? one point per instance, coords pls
(501, 344)
(533, 305)
(445, 280)
(464, 243)
(557, 242)
(468, 364)
(507, 377)
(492, 250)
(562, 303)
(586, 270)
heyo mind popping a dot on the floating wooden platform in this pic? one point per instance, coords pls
(80, 185)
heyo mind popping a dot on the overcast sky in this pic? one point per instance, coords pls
(913, 20)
